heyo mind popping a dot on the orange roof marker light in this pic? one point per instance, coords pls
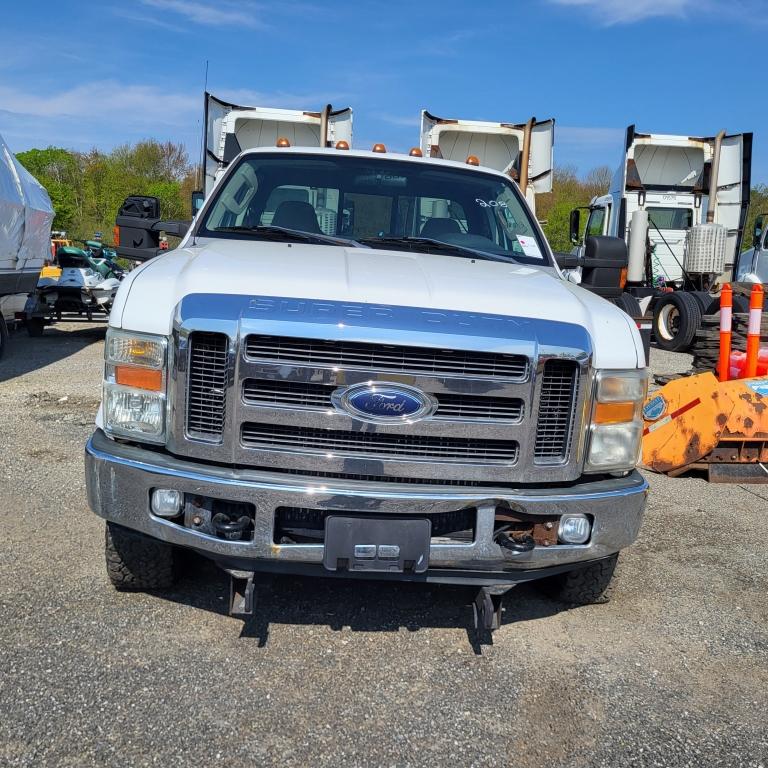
(473, 160)
(379, 148)
(415, 152)
(283, 142)
(342, 144)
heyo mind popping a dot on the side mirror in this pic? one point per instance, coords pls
(198, 198)
(575, 226)
(601, 251)
(758, 231)
(605, 259)
(138, 227)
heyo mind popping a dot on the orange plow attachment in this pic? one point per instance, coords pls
(697, 422)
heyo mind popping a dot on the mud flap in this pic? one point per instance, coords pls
(242, 593)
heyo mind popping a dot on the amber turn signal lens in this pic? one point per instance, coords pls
(614, 413)
(116, 236)
(139, 378)
(623, 278)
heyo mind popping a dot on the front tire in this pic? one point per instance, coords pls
(136, 561)
(583, 586)
(629, 304)
(676, 318)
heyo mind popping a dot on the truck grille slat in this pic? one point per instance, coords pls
(267, 392)
(559, 394)
(207, 385)
(347, 354)
(378, 445)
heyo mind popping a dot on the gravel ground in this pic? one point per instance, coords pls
(673, 671)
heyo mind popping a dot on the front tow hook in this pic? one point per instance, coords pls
(522, 543)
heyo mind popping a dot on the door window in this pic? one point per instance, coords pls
(596, 222)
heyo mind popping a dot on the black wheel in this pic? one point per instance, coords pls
(35, 326)
(708, 304)
(676, 318)
(3, 336)
(740, 305)
(583, 586)
(630, 305)
(136, 561)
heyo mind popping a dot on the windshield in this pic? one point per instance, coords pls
(671, 218)
(379, 203)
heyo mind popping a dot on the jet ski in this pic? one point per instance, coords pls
(85, 284)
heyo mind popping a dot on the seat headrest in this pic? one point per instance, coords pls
(435, 228)
(295, 214)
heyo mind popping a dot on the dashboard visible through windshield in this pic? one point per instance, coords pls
(376, 203)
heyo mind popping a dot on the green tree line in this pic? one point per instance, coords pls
(87, 188)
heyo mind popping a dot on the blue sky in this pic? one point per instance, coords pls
(98, 74)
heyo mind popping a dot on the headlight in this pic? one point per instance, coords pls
(135, 385)
(617, 425)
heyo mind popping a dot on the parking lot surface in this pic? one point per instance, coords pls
(672, 672)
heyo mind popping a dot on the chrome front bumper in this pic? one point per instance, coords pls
(121, 477)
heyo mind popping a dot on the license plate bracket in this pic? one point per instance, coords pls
(376, 544)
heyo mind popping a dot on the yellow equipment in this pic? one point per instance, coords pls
(697, 422)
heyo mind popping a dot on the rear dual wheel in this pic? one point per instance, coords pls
(676, 318)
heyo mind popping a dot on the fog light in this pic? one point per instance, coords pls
(166, 503)
(574, 529)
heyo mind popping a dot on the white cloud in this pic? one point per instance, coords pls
(106, 113)
(219, 14)
(136, 104)
(611, 12)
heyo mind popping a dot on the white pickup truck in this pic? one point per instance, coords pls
(366, 364)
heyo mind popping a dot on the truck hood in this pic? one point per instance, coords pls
(148, 297)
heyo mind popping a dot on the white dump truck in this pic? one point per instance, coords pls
(25, 237)
(681, 203)
(361, 364)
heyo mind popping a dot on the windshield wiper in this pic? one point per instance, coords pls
(461, 250)
(284, 233)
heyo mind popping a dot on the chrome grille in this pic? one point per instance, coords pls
(207, 385)
(305, 395)
(378, 445)
(386, 357)
(559, 390)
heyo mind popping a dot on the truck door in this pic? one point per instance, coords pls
(500, 146)
(733, 188)
(232, 128)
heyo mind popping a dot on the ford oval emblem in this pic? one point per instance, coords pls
(380, 401)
